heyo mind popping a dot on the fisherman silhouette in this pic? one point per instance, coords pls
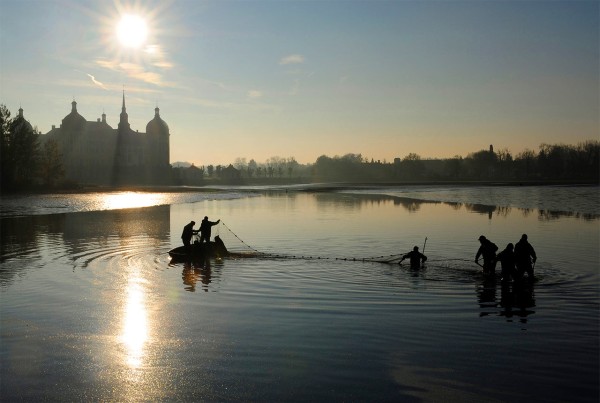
(188, 232)
(524, 257)
(415, 257)
(205, 229)
(507, 261)
(487, 250)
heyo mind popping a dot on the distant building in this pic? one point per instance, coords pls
(230, 173)
(192, 175)
(95, 153)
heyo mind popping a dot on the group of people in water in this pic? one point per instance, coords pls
(515, 260)
(204, 230)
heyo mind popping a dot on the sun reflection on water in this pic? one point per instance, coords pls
(123, 200)
(135, 324)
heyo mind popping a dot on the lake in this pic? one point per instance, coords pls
(92, 308)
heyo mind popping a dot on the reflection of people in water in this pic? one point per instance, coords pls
(507, 260)
(192, 273)
(415, 257)
(517, 299)
(188, 232)
(487, 250)
(525, 256)
(205, 227)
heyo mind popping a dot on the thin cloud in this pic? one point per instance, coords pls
(254, 94)
(158, 57)
(135, 71)
(292, 59)
(98, 83)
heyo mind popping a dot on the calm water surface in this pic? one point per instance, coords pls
(93, 309)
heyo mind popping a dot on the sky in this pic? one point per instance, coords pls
(258, 79)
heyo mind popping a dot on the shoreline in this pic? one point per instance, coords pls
(288, 185)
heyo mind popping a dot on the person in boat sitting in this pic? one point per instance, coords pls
(188, 232)
(415, 257)
(524, 256)
(205, 227)
(507, 261)
(487, 250)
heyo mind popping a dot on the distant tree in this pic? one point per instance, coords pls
(252, 166)
(412, 157)
(552, 159)
(411, 167)
(219, 170)
(588, 153)
(5, 163)
(240, 164)
(210, 170)
(481, 164)
(51, 166)
(504, 161)
(525, 164)
(453, 167)
(20, 151)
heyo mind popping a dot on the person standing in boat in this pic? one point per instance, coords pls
(188, 232)
(507, 260)
(525, 257)
(205, 227)
(487, 250)
(416, 258)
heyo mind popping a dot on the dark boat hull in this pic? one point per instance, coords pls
(199, 251)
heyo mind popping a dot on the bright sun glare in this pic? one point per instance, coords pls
(132, 31)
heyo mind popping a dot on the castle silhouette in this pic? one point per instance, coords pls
(95, 153)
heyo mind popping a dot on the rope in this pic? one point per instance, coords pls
(385, 259)
(240, 239)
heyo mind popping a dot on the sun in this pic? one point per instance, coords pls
(132, 31)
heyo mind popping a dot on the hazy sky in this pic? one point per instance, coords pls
(257, 79)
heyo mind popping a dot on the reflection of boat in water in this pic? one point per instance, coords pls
(199, 251)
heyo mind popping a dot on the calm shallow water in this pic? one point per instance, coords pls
(92, 308)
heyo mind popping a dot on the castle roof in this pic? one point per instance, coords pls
(73, 118)
(157, 125)
(20, 124)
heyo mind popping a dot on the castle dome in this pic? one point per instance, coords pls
(157, 125)
(73, 119)
(20, 124)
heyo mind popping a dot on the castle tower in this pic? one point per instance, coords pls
(124, 118)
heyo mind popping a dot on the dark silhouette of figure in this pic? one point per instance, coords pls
(188, 232)
(507, 261)
(219, 247)
(525, 257)
(487, 250)
(205, 228)
(415, 257)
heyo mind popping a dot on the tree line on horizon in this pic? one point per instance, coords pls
(553, 162)
(26, 164)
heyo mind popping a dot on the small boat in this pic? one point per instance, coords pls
(199, 251)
